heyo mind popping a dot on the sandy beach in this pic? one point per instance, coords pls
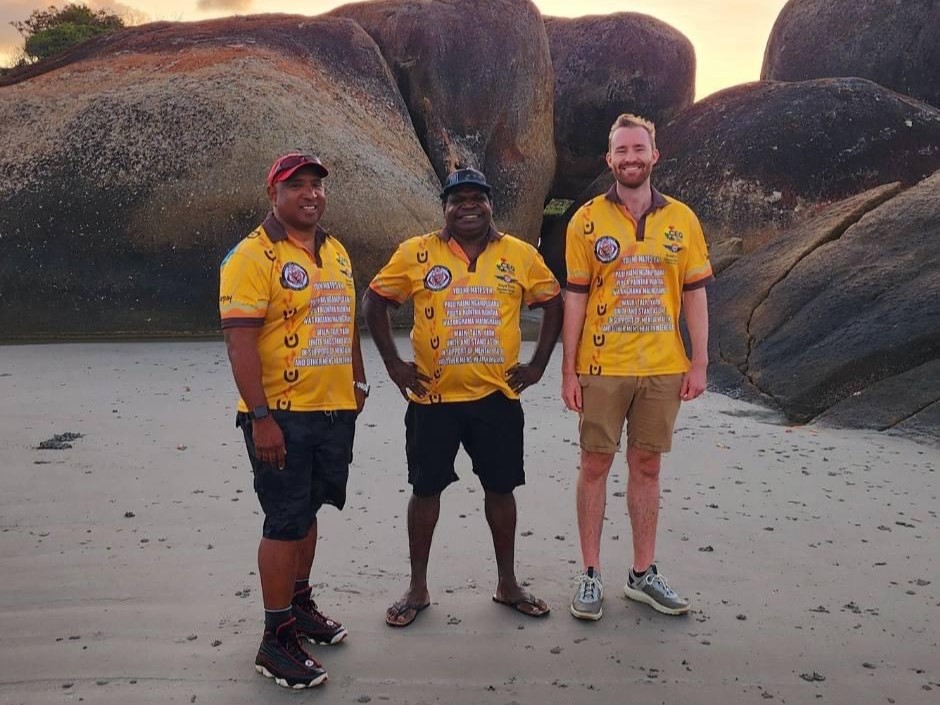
(128, 560)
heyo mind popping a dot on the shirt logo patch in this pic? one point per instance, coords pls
(673, 235)
(606, 249)
(505, 267)
(437, 278)
(672, 248)
(294, 277)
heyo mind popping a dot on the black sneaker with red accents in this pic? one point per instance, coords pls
(282, 658)
(312, 624)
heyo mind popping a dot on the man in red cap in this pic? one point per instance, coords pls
(287, 303)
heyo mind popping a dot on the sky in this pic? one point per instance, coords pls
(729, 35)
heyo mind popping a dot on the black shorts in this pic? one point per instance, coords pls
(319, 449)
(490, 430)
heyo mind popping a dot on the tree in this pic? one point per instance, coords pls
(50, 31)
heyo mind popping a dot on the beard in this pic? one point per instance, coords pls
(634, 180)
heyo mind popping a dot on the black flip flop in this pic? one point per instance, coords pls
(517, 604)
(418, 609)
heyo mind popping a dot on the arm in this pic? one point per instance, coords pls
(242, 345)
(522, 376)
(405, 375)
(575, 305)
(695, 308)
(359, 370)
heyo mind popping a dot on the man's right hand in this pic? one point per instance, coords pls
(571, 391)
(405, 375)
(269, 442)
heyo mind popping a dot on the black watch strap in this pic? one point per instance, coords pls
(259, 412)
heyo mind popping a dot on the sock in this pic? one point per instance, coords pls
(300, 586)
(275, 618)
(640, 575)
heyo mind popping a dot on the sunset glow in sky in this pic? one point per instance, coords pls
(729, 35)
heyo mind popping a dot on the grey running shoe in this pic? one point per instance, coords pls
(651, 588)
(586, 603)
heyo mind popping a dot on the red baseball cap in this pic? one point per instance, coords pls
(285, 166)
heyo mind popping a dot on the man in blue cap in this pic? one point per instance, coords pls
(468, 282)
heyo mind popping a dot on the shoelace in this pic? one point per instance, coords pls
(661, 581)
(317, 614)
(590, 587)
(296, 650)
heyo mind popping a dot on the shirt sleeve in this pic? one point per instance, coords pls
(540, 285)
(698, 268)
(394, 282)
(244, 294)
(577, 255)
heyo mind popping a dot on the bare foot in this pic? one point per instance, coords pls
(513, 595)
(406, 610)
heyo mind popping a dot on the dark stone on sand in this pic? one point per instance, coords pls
(60, 441)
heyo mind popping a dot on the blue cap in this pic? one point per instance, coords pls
(465, 177)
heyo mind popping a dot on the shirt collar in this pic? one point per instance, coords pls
(491, 236)
(659, 201)
(277, 232)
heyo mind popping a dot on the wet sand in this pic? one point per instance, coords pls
(128, 560)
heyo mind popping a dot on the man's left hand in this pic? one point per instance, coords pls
(693, 383)
(360, 399)
(520, 377)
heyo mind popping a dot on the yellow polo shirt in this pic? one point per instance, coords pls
(305, 306)
(466, 314)
(634, 273)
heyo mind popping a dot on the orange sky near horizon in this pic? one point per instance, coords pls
(729, 35)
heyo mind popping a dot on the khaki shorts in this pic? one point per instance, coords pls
(649, 405)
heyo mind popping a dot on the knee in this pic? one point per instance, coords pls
(595, 466)
(498, 499)
(644, 464)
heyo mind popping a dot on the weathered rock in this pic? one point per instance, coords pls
(742, 288)
(725, 253)
(606, 65)
(850, 306)
(895, 43)
(477, 78)
(128, 171)
(755, 159)
(907, 403)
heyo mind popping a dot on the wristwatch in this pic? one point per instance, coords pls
(259, 412)
(362, 387)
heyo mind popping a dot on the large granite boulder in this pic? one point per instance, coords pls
(895, 43)
(754, 159)
(838, 307)
(906, 404)
(131, 165)
(746, 284)
(477, 78)
(606, 65)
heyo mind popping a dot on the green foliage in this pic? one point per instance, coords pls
(48, 32)
(557, 206)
